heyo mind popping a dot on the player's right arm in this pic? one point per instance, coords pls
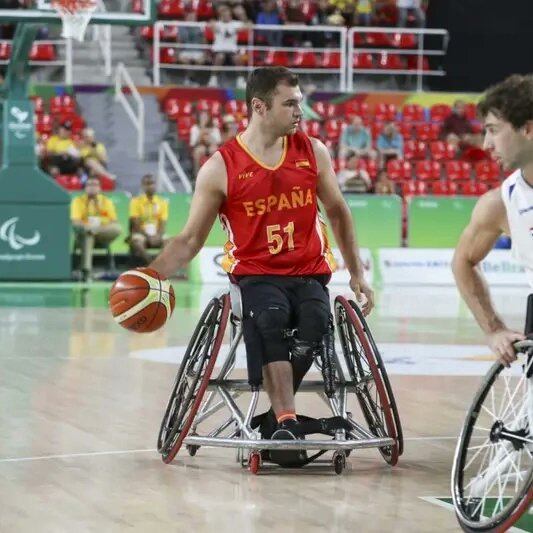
(488, 222)
(208, 196)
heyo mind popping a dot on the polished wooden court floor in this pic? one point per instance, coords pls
(81, 402)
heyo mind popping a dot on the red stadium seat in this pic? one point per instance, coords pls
(325, 109)
(38, 104)
(441, 151)
(363, 61)
(5, 51)
(106, 183)
(43, 52)
(385, 112)
(62, 104)
(170, 9)
(175, 108)
(413, 113)
(442, 188)
(439, 112)
(378, 39)
(458, 170)
(44, 124)
(471, 111)
(304, 59)
(414, 150)
(333, 128)
(406, 129)
(204, 9)
(487, 170)
(413, 188)
(278, 58)
(412, 63)
(427, 170)
(356, 107)
(388, 61)
(331, 59)
(168, 55)
(359, 39)
(69, 182)
(399, 170)
(311, 127)
(213, 107)
(427, 132)
(403, 40)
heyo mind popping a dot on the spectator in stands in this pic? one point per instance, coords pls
(390, 143)
(356, 138)
(321, 17)
(239, 13)
(353, 178)
(94, 221)
(457, 127)
(347, 9)
(294, 15)
(225, 45)
(204, 139)
(229, 128)
(148, 219)
(191, 56)
(363, 12)
(62, 153)
(384, 184)
(269, 14)
(93, 154)
(410, 6)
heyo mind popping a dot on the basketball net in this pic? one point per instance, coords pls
(75, 16)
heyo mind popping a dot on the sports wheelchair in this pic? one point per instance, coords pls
(492, 476)
(362, 381)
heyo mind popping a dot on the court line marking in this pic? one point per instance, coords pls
(124, 452)
(71, 455)
(448, 506)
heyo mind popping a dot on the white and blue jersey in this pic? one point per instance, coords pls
(517, 195)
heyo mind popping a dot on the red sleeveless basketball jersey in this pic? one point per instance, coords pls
(271, 214)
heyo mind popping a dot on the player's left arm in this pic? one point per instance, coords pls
(340, 218)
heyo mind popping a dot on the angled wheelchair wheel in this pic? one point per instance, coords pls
(193, 377)
(492, 476)
(367, 372)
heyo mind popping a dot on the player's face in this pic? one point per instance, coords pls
(286, 111)
(509, 147)
(149, 186)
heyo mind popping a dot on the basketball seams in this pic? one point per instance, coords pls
(150, 298)
(157, 294)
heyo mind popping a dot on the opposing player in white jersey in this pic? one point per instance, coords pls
(507, 111)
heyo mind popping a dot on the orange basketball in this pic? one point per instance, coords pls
(141, 300)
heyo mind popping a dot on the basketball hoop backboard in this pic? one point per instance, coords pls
(126, 12)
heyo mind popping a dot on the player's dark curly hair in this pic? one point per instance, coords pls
(262, 83)
(510, 100)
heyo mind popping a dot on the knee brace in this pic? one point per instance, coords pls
(272, 324)
(313, 322)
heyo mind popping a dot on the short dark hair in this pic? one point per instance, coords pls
(510, 100)
(147, 177)
(262, 83)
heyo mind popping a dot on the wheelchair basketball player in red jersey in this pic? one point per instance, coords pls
(264, 185)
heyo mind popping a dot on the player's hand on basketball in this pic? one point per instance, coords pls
(363, 294)
(501, 342)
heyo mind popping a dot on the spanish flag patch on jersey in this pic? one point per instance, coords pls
(302, 163)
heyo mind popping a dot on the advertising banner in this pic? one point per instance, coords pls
(404, 266)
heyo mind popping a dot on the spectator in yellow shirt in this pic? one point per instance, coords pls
(148, 218)
(93, 154)
(94, 220)
(63, 156)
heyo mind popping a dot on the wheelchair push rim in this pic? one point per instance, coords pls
(502, 456)
(198, 362)
(367, 372)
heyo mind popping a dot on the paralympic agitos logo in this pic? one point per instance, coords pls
(16, 242)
